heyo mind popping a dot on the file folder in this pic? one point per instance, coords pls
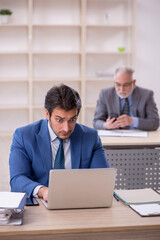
(11, 207)
(145, 202)
(146, 210)
(138, 196)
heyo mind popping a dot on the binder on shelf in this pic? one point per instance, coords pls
(11, 207)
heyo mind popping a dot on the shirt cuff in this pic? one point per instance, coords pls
(35, 191)
(135, 122)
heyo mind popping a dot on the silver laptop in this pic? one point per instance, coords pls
(81, 188)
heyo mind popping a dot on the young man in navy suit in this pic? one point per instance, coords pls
(34, 147)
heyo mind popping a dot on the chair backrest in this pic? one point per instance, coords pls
(136, 168)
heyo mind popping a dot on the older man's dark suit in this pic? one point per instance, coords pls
(143, 107)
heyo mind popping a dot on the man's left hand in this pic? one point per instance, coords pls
(124, 121)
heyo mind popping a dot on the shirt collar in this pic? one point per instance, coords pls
(129, 98)
(51, 133)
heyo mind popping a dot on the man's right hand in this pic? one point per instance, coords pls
(111, 123)
(43, 193)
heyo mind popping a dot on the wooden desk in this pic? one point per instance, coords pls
(117, 222)
(153, 140)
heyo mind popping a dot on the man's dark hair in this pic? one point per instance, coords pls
(62, 97)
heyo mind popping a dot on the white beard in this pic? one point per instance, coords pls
(125, 94)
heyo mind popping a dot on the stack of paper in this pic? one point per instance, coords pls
(5, 215)
(11, 207)
(136, 196)
(146, 210)
(123, 133)
(146, 202)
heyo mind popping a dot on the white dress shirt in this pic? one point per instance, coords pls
(54, 147)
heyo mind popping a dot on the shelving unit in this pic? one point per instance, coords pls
(66, 41)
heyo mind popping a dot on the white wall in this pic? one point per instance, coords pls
(148, 46)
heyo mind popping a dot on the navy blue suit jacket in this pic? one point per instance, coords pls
(31, 159)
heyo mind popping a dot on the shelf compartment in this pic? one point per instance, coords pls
(12, 119)
(92, 90)
(56, 39)
(109, 12)
(56, 12)
(56, 66)
(16, 93)
(13, 66)
(103, 63)
(9, 42)
(38, 114)
(41, 88)
(108, 40)
(19, 9)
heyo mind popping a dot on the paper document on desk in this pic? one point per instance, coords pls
(123, 133)
(146, 210)
(12, 200)
(138, 196)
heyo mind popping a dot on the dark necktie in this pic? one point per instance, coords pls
(59, 159)
(126, 107)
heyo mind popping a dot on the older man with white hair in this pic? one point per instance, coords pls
(126, 105)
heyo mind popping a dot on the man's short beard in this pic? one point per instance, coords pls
(127, 94)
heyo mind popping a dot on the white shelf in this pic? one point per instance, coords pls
(90, 106)
(8, 25)
(6, 134)
(14, 52)
(60, 12)
(109, 26)
(108, 53)
(102, 79)
(55, 79)
(14, 106)
(55, 53)
(51, 42)
(13, 80)
(57, 25)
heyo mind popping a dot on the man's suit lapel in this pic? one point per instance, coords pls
(115, 103)
(135, 101)
(43, 140)
(76, 143)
